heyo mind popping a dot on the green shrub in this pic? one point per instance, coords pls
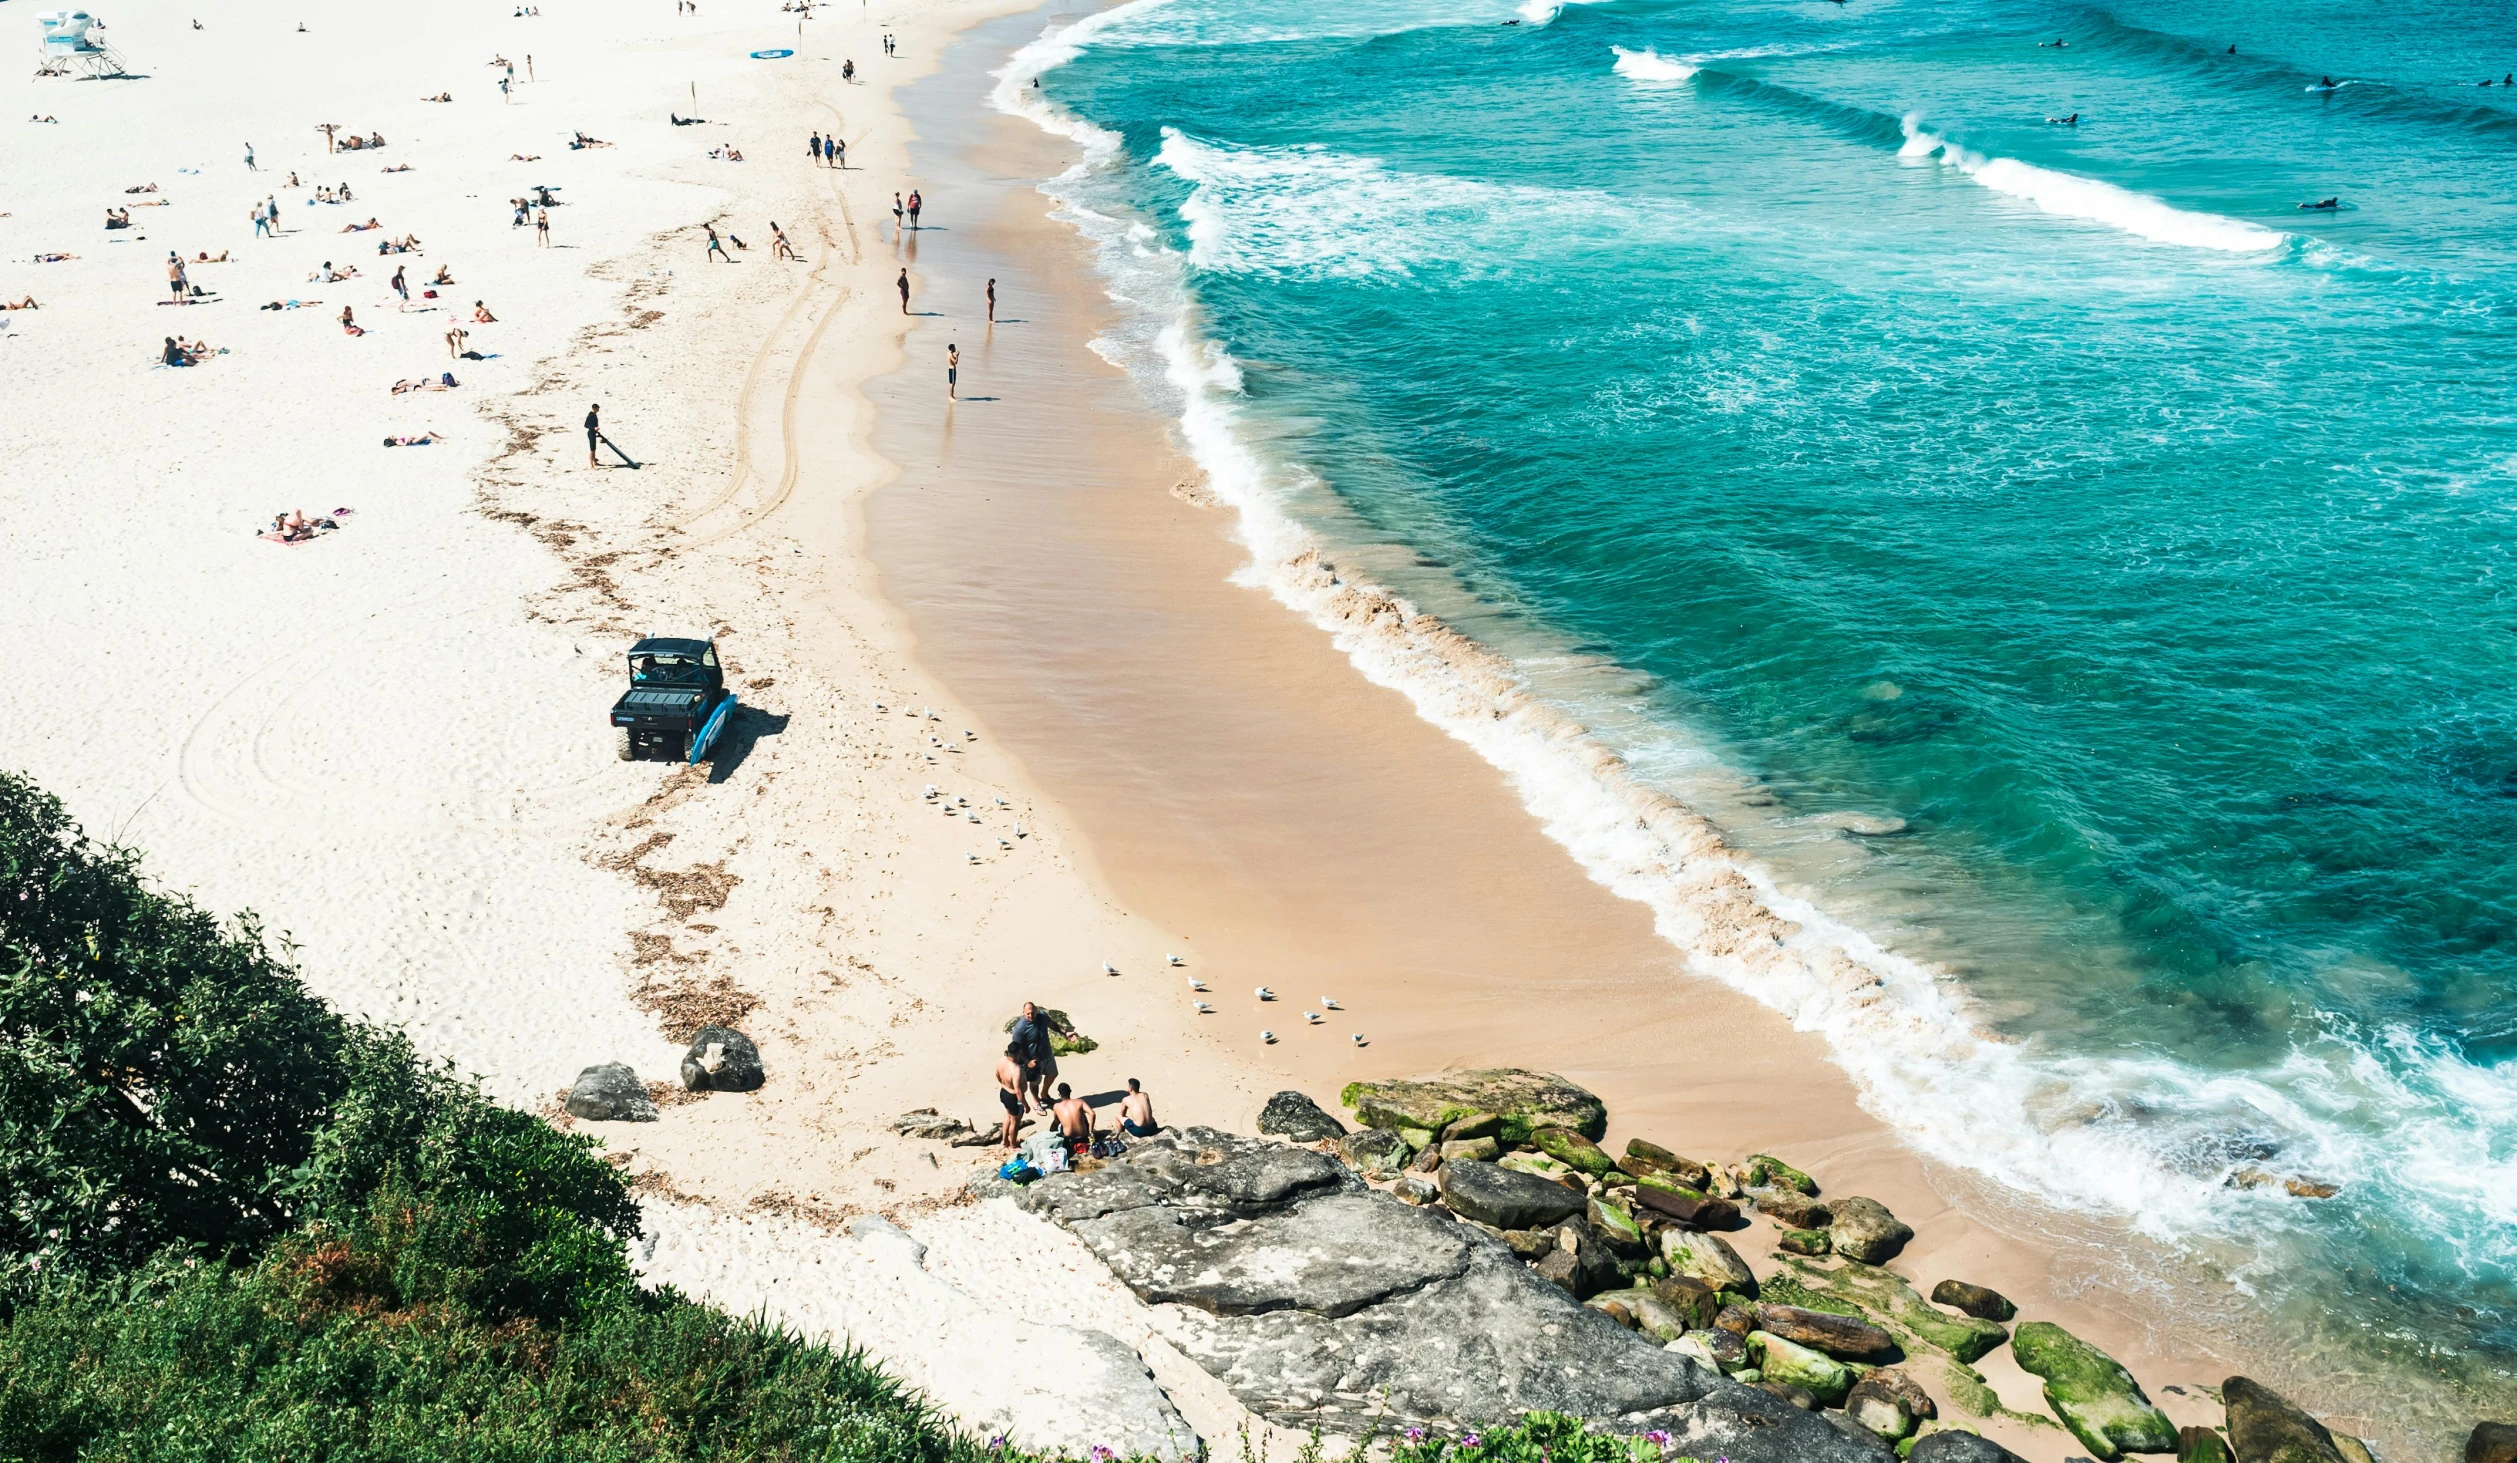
(1539, 1437)
(160, 1079)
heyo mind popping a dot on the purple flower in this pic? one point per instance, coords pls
(1472, 1441)
(1657, 1438)
(1415, 1435)
(997, 1444)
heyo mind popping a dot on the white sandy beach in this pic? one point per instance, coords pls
(390, 742)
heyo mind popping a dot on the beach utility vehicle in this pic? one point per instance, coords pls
(677, 705)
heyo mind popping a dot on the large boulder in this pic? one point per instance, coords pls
(1954, 1446)
(1494, 1195)
(1375, 1150)
(1791, 1208)
(2492, 1442)
(1838, 1336)
(1864, 1230)
(2091, 1393)
(1976, 1300)
(1764, 1170)
(1709, 1258)
(1292, 1115)
(722, 1059)
(610, 1092)
(2266, 1427)
(1523, 1102)
(2202, 1445)
(1889, 1301)
(1315, 1311)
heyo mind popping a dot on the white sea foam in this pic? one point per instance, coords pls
(2067, 196)
(2145, 1139)
(1650, 65)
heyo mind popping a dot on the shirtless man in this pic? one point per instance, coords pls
(1136, 1113)
(1009, 1094)
(1074, 1119)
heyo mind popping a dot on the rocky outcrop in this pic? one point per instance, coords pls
(2265, 1427)
(2492, 1442)
(2091, 1393)
(1500, 1197)
(1522, 1102)
(610, 1093)
(1292, 1115)
(1864, 1230)
(1322, 1304)
(722, 1059)
(1975, 1300)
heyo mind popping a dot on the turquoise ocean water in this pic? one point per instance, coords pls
(1834, 438)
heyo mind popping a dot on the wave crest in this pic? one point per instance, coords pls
(2068, 196)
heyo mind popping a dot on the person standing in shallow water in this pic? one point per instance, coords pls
(915, 203)
(991, 302)
(952, 371)
(904, 292)
(896, 212)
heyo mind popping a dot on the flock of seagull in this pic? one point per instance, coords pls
(1314, 1018)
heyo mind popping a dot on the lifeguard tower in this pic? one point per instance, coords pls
(71, 47)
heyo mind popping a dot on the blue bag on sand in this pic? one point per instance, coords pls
(1016, 1171)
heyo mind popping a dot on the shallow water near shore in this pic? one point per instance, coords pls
(1822, 445)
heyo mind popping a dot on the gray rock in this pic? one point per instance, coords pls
(1839, 1336)
(1415, 1188)
(1791, 1208)
(1864, 1230)
(1333, 1256)
(1505, 1199)
(1975, 1300)
(1292, 1115)
(1957, 1447)
(722, 1059)
(610, 1093)
(1471, 1150)
(1320, 1303)
(1374, 1150)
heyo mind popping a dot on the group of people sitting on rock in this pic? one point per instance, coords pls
(1023, 1078)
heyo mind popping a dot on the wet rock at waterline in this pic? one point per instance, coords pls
(1975, 1300)
(2091, 1393)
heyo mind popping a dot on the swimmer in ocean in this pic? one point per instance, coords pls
(2327, 203)
(2071, 121)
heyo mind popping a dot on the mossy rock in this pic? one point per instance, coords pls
(1804, 1241)
(1764, 1170)
(1886, 1297)
(1525, 1101)
(1642, 1157)
(1794, 1365)
(1573, 1150)
(1783, 1290)
(2202, 1445)
(1533, 1163)
(2092, 1393)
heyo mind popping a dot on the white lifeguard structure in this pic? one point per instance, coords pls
(72, 47)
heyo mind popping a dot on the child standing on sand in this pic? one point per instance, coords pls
(542, 227)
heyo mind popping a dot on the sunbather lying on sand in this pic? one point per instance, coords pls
(143, 188)
(53, 257)
(399, 168)
(421, 440)
(26, 304)
(204, 258)
(439, 97)
(524, 157)
(360, 228)
(289, 305)
(585, 141)
(294, 527)
(443, 382)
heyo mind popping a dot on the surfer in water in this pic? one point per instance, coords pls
(2327, 83)
(2325, 203)
(2071, 121)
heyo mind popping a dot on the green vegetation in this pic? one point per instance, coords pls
(235, 1225)
(1541, 1437)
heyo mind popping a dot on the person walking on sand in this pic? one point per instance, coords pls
(896, 212)
(716, 246)
(991, 301)
(528, 66)
(952, 371)
(915, 203)
(249, 163)
(836, 151)
(401, 287)
(542, 228)
(261, 223)
(1009, 1094)
(175, 275)
(1136, 1112)
(904, 292)
(817, 147)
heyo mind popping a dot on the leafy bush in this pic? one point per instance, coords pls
(1539, 1437)
(160, 1080)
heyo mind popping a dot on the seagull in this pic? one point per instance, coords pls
(1313, 1017)
(1268, 1036)
(1359, 1041)
(1201, 1006)
(932, 790)
(1265, 994)
(1001, 843)
(969, 735)
(1020, 832)
(1174, 959)
(1108, 969)
(974, 858)
(1329, 1002)
(1195, 984)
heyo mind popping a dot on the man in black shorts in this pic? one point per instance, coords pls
(1009, 1094)
(1039, 1058)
